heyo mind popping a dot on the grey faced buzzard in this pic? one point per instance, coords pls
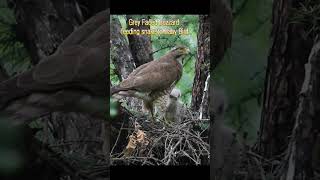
(72, 77)
(152, 82)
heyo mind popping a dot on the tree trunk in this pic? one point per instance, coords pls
(284, 78)
(303, 151)
(221, 24)
(121, 55)
(122, 58)
(202, 65)
(43, 25)
(140, 45)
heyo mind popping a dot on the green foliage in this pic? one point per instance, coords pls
(113, 108)
(14, 58)
(10, 159)
(13, 55)
(113, 76)
(308, 15)
(242, 71)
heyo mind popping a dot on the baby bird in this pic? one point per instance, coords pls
(175, 107)
(225, 147)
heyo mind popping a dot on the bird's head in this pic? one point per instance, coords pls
(218, 102)
(180, 52)
(175, 94)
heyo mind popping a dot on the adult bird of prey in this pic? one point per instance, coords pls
(153, 81)
(72, 78)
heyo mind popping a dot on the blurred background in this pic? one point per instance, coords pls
(242, 71)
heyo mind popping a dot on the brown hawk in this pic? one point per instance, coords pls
(75, 73)
(152, 82)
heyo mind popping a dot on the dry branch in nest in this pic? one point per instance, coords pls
(154, 143)
(253, 166)
(71, 165)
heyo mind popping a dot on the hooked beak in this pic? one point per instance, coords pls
(186, 50)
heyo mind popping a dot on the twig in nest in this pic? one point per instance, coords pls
(175, 144)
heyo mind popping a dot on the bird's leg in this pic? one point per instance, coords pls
(162, 104)
(166, 121)
(143, 96)
(148, 107)
(152, 115)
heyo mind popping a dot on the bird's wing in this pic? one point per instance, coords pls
(162, 63)
(157, 76)
(59, 68)
(139, 69)
(97, 37)
(145, 68)
(39, 104)
(73, 65)
(85, 30)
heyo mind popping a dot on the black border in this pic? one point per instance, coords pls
(160, 6)
(160, 172)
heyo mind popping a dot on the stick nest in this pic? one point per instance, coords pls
(155, 143)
